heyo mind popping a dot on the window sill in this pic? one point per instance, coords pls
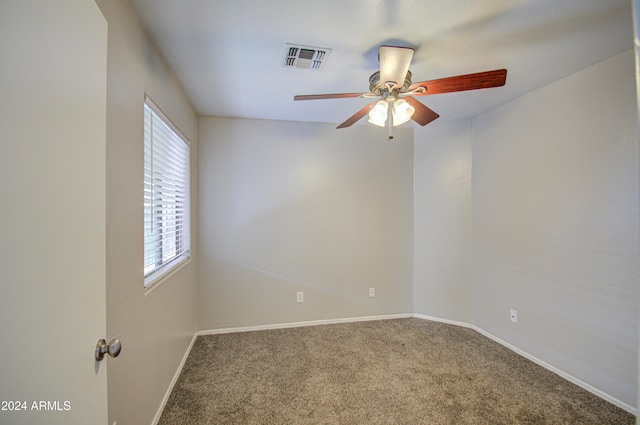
(165, 275)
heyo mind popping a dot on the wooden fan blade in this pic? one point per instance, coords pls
(327, 96)
(394, 64)
(423, 114)
(480, 80)
(357, 116)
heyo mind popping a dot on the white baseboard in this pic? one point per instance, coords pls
(560, 372)
(300, 324)
(517, 350)
(539, 362)
(165, 399)
(437, 319)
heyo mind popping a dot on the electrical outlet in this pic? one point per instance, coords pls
(300, 297)
(372, 292)
(514, 316)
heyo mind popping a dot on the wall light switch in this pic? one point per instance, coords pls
(514, 316)
(300, 297)
(372, 292)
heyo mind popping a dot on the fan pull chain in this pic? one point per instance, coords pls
(390, 121)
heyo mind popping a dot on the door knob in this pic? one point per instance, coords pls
(113, 348)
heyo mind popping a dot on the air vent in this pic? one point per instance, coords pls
(305, 57)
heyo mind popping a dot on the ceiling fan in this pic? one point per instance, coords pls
(393, 85)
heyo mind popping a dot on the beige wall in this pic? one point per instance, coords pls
(534, 206)
(155, 328)
(290, 207)
(555, 225)
(442, 220)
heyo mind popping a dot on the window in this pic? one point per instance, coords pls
(166, 196)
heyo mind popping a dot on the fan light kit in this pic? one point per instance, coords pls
(400, 112)
(392, 85)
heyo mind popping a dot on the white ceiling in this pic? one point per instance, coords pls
(228, 54)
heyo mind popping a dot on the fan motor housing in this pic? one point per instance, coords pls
(377, 87)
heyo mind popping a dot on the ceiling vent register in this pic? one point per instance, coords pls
(305, 57)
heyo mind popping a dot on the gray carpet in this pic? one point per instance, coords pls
(405, 371)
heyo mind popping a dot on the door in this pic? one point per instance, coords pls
(636, 42)
(53, 67)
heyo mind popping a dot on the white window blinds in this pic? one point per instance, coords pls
(166, 196)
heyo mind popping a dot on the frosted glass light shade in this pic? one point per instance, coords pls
(402, 111)
(378, 114)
